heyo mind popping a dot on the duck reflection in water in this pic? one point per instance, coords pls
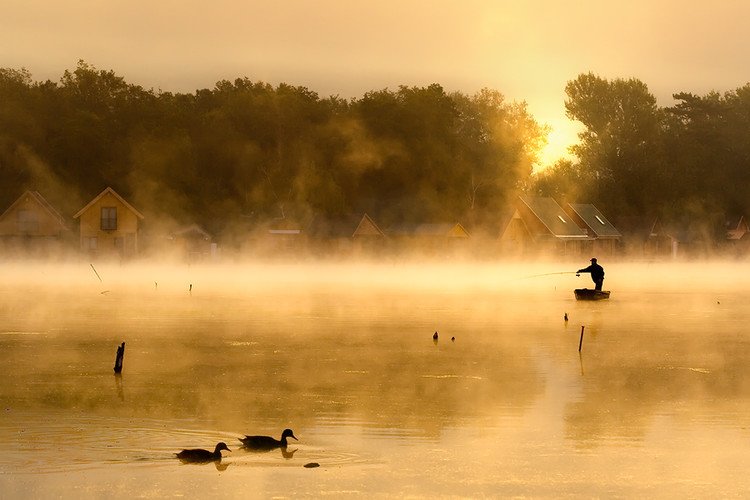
(199, 456)
(267, 443)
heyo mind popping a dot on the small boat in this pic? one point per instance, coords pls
(588, 294)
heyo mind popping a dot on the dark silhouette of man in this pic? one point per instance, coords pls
(597, 273)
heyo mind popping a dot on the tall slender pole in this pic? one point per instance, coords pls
(580, 342)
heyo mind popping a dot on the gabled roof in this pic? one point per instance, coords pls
(367, 227)
(595, 220)
(736, 227)
(113, 193)
(43, 203)
(445, 230)
(553, 217)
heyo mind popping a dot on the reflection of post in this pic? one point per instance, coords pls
(580, 360)
(118, 359)
(580, 342)
(118, 386)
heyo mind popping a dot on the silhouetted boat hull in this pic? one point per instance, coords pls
(587, 294)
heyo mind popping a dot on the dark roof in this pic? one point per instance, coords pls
(553, 217)
(595, 220)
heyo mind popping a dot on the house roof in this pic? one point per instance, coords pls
(113, 193)
(43, 203)
(736, 227)
(553, 217)
(595, 220)
(367, 227)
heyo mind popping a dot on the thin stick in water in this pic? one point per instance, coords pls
(580, 342)
(97, 274)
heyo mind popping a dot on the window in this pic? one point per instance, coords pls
(109, 219)
(90, 244)
(28, 222)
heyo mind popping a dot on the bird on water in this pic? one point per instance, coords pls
(201, 456)
(267, 442)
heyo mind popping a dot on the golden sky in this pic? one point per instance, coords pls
(526, 49)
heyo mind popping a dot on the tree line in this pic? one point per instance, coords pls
(250, 151)
(247, 150)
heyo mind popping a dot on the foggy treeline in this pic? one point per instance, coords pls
(246, 150)
(249, 150)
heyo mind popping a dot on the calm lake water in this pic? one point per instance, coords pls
(657, 403)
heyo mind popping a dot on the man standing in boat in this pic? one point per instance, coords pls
(597, 273)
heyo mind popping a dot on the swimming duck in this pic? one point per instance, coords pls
(202, 456)
(434, 336)
(267, 442)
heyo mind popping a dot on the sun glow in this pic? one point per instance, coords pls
(563, 134)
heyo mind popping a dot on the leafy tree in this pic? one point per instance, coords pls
(500, 143)
(708, 140)
(618, 150)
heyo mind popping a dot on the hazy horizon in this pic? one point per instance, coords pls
(527, 51)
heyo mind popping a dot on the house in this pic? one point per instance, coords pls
(353, 234)
(603, 236)
(33, 226)
(540, 225)
(193, 243)
(109, 226)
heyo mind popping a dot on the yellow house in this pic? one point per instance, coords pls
(109, 226)
(33, 226)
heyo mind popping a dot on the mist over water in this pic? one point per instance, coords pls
(654, 404)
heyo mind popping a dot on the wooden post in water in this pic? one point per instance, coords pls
(118, 359)
(580, 342)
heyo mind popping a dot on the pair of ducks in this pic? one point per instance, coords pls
(257, 443)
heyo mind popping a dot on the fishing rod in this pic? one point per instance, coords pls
(547, 274)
